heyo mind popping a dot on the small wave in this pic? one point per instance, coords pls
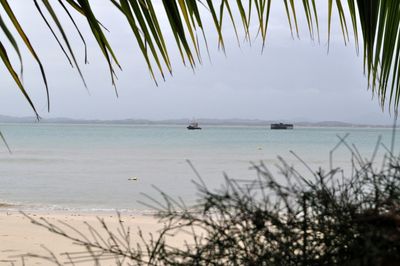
(6, 206)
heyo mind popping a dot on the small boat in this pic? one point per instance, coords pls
(281, 126)
(193, 126)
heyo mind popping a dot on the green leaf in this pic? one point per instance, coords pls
(23, 36)
(4, 57)
(11, 39)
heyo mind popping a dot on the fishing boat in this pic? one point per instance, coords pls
(193, 125)
(281, 126)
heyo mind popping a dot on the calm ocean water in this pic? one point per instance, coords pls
(87, 167)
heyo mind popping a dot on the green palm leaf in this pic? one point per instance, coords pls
(14, 44)
(4, 57)
(27, 43)
(53, 15)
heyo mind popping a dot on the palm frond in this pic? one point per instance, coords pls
(53, 15)
(4, 57)
(378, 21)
(27, 43)
(3, 139)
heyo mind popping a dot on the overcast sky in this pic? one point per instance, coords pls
(291, 79)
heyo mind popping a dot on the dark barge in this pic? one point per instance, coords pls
(281, 126)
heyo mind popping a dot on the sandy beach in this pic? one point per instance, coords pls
(19, 236)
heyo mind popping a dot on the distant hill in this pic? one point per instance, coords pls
(183, 121)
(331, 124)
(11, 119)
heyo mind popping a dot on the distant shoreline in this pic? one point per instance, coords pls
(203, 125)
(184, 121)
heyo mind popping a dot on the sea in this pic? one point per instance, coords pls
(101, 167)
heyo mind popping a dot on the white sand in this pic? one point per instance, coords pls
(19, 236)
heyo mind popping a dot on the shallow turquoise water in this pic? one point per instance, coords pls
(88, 166)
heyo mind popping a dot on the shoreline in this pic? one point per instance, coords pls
(8, 206)
(11, 208)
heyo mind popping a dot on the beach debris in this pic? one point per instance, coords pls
(259, 148)
(133, 178)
